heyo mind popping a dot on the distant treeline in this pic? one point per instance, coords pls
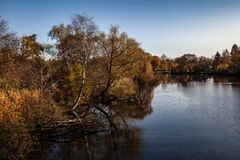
(222, 63)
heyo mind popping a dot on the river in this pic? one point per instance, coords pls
(189, 118)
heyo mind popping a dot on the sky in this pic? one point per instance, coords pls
(170, 27)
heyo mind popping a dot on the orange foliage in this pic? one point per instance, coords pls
(20, 112)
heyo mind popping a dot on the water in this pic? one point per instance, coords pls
(190, 118)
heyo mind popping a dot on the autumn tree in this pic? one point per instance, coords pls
(187, 63)
(222, 62)
(30, 48)
(204, 65)
(234, 49)
(9, 45)
(156, 62)
(121, 55)
(77, 45)
(216, 60)
(164, 65)
(235, 58)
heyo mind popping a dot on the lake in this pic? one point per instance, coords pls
(189, 118)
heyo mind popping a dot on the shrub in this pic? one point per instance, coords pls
(20, 112)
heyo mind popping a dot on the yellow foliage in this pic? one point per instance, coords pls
(223, 67)
(10, 107)
(20, 112)
(124, 88)
(25, 106)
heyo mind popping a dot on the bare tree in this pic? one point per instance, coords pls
(8, 47)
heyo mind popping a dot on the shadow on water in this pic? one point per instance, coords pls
(120, 145)
(125, 143)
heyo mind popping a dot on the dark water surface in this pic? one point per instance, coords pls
(190, 118)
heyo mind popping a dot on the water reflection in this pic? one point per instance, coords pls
(125, 143)
(189, 117)
(185, 79)
(194, 118)
(121, 145)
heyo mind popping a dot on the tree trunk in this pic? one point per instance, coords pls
(109, 76)
(81, 87)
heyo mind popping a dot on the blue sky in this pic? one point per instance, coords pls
(171, 27)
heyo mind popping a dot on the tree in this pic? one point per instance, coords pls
(9, 44)
(31, 49)
(235, 49)
(156, 62)
(77, 45)
(216, 61)
(121, 54)
(224, 62)
(164, 65)
(235, 59)
(187, 63)
(34, 65)
(204, 64)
